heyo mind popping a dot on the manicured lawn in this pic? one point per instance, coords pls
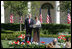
(5, 43)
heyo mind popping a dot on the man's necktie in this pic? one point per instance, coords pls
(29, 21)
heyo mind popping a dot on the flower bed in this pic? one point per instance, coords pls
(18, 43)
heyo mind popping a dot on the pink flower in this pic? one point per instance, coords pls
(16, 42)
(65, 39)
(22, 43)
(23, 37)
(62, 38)
(12, 43)
(21, 34)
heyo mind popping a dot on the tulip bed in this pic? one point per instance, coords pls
(20, 44)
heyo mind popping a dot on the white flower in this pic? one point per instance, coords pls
(20, 37)
(18, 43)
(33, 42)
(14, 42)
(30, 43)
(23, 43)
(10, 42)
(36, 43)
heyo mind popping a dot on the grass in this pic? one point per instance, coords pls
(4, 43)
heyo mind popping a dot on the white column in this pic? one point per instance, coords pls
(57, 12)
(29, 7)
(2, 12)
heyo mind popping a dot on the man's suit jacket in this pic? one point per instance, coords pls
(27, 25)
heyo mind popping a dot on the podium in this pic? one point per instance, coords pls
(36, 33)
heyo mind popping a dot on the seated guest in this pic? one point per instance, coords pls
(51, 45)
(68, 43)
(55, 43)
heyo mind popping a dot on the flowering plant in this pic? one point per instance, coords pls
(14, 43)
(20, 44)
(61, 38)
(42, 45)
(21, 37)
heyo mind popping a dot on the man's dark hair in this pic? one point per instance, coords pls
(35, 17)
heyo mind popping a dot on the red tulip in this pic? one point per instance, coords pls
(28, 41)
(65, 39)
(21, 34)
(63, 35)
(59, 37)
(17, 41)
(22, 43)
(62, 38)
(12, 43)
(42, 42)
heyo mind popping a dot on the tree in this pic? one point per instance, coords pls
(35, 7)
(20, 7)
(65, 5)
(17, 7)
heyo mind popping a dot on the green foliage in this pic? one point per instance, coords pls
(35, 8)
(16, 7)
(10, 36)
(45, 29)
(55, 28)
(20, 8)
(13, 27)
(65, 5)
(47, 6)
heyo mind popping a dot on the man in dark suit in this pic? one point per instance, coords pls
(28, 25)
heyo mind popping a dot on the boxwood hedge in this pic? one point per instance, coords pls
(46, 28)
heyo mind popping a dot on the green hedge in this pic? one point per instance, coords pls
(14, 36)
(11, 36)
(11, 26)
(55, 28)
(46, 28)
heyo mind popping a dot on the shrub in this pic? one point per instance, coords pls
(46, 28)
(11, 35)
(10, 26)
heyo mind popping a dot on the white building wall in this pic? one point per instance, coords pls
(2, 12)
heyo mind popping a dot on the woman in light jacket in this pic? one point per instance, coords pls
(36, 30)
